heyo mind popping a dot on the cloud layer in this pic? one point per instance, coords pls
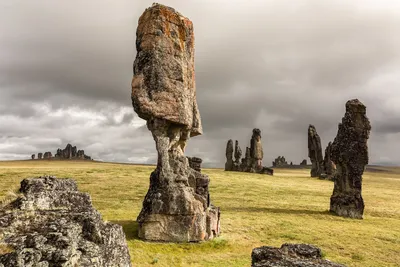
(66, 68)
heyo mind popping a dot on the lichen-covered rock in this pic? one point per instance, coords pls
(290, 255)
(53, 224)
(177, 206)
(238, 156)
(315, 151)
(195, 163)
(256, 150)
(229, 156)
(163, 84)
(350, 154)
(329, 168)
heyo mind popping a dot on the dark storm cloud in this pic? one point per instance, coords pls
(66, 68)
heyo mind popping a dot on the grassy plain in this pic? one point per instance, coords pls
(255, 210)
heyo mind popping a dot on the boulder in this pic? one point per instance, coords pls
(350, 153)
(315, 151)
(290, 255)
(51, 223)
(177, 206)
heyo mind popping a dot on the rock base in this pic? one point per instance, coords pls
(290, 255)
(351, 206)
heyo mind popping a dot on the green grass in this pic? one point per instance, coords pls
(255, 210)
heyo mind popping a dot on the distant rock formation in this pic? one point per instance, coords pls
(315, 151)
(280, 161)
(33, 156)
(195, 163)
(256, 150)
(329, 168)
(350, 153)
(229, 156)
(304, 162)
(252, 162)
(71, 152)
(177, 206)
(47, 155)
(40, 155)
(53, 224)
(290, 255)
(238, 156)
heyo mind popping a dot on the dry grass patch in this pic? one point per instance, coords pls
(255, 210)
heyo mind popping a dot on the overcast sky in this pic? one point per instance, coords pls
(66, 69)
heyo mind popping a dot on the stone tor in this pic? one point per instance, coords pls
(177, 206)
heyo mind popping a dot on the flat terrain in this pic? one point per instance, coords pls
(255, 210)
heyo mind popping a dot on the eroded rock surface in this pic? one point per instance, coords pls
(177, 206)
(315, 152)
(256, 150)
(229, 156)
(350, 154)
(195, 163)
(329, 168)
(53, 224)
(290, 255)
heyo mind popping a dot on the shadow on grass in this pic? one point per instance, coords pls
(130, 228)
(276, 210)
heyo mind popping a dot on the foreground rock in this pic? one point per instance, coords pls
(53, 224)
(177, 206)
(350, 153)
(290, 255)
(315, 152)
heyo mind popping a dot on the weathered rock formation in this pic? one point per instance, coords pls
(280, 161)
(256, 150)
(177, 205)
(350, 153)
(195, 163)
(238, 156)
(39, 155)
(290, 255)
(53, 224)
(71, 152)
(329, 168)
(229, 156)
(315, 151)
(252, 162)
(33, 156)
(304, 162)
(47, 155)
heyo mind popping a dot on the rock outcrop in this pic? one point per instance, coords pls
(229, 156)
(39, 155)
(195, 163)
(290, 255)
(47, 155)
(329, 168)
(350, 154)
(33, 156)
(71, 152)
(315, 151)
(238, 156)
(256, 150)
(304, 162)
(280, 161)
(177, 206)
(51, 223)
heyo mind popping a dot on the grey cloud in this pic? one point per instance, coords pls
(274, 65)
